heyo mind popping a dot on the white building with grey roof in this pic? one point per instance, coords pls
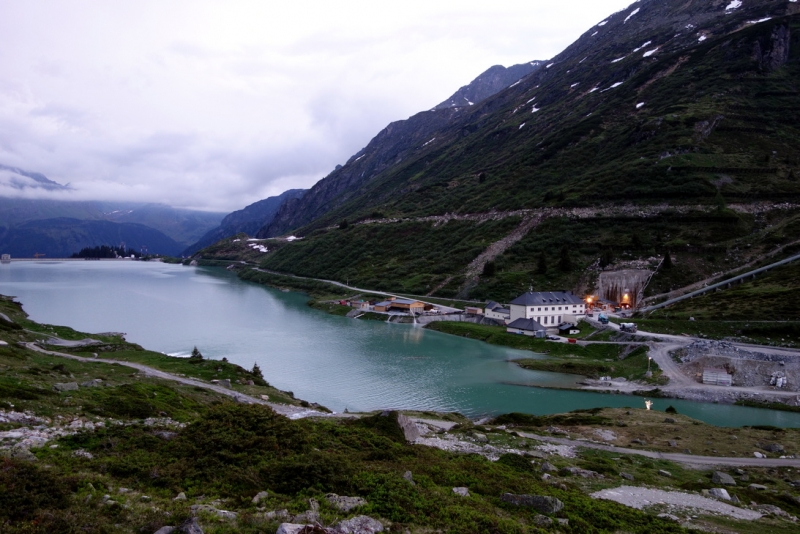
(548, 308)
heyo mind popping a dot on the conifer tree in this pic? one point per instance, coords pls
(256, 371)
(196, 355)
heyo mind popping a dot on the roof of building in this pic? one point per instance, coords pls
(566, 326)
(491, 305)
(405, 301)
(526, 324)
(384, 303)
(536, 298)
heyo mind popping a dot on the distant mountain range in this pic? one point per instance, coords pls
(55, 228)
(62, 236)
(21, 179)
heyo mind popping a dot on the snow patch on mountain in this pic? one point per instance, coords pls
(648, 43)
(521, 125)
(735, 4)
(618, 59)
(603, 23)
(635, 11)
(534, 110)
(650, 52)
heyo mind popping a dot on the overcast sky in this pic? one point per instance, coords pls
(214, 105)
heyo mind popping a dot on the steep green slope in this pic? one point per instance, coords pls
(669, 128)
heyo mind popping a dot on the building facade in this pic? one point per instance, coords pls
(549, 309)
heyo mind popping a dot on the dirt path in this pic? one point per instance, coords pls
(698, 462)
(292, 412)
(475, 268)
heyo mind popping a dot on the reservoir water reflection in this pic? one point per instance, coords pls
(338, 362)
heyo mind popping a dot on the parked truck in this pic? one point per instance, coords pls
(602, 318)
(628, 327)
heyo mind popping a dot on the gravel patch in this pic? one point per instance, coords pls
(450, 443)
(637, 497)
(605, 435)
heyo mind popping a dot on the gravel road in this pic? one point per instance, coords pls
(638, 497)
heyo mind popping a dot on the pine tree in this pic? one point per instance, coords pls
(667, 263)
(196, 356)
(257, 371)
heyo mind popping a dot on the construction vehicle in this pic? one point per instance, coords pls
(602, 318)
(628, 327)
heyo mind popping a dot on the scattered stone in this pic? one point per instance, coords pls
(180, 497)
(106, 498)
(669, 420)
(290, 528)
(757, 487)
(536, 454)
(638, 442)
(80, 453)
(407, 475)
(189, 526)
(773, 510)
(664, 473)
(626, 476)
(480, 438)
(719, 493)
(67, 386)
(577, 471)
(94, 383)
(670, 517)
(463, 492)
(409, 428)
(547, 467)
(164, 530)
(744, 478)
(343, 503)
(562, 521)
(546, 476)
(556, 430)
(361, 524)
(265, 397)
(672, 443)
(260, 496)
(543, 503)
(225, 382)
(759, 455)
(166, 435)
(774, 447)
(722, 478)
